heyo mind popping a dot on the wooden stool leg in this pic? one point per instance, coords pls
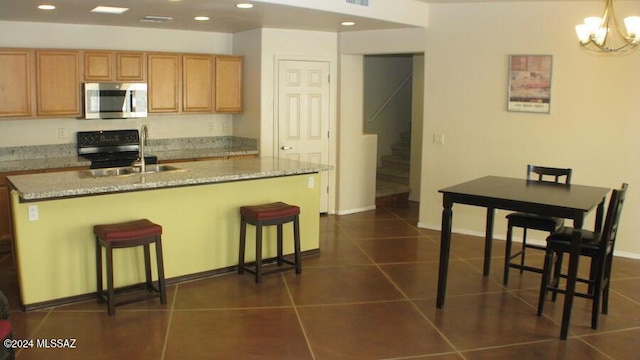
(99, 271)
(243, 235)
(258, 252)
(147, 268)
(296, 244)
(161, 281)
(279, 245)
(110, 287)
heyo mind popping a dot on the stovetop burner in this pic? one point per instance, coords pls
(111, 148)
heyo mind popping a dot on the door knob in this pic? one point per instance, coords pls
(286, 147)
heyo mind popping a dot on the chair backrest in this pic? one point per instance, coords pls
(543, 173)
(610, 229)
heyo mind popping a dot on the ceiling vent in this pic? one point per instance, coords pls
(156, 19)
(358, 2)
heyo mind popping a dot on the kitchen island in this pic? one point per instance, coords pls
(196, 204)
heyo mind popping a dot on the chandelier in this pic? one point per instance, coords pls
(604, 34)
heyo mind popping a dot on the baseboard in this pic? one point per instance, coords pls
(353, 211)
(618, 253)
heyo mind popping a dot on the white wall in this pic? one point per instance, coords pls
(18, 132)
(417, 124)
(249, 45)
(593, 125)
(357, 151)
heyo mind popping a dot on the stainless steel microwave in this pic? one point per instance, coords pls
(115, 100)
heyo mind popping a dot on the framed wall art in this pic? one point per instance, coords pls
(530, 83)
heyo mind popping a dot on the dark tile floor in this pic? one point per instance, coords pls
(370, 294)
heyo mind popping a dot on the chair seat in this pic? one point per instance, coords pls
(125, 231)
(562, 237)
(535, 221)
(271, 211)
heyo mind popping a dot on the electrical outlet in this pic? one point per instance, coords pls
(33, 212)
(311, 182)
(62, 133)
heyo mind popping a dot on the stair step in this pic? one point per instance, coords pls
(401, 149)
(393, 174)
(405, 137)
(397, 161)
(386, 188)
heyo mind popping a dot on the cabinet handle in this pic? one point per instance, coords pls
(286, 147)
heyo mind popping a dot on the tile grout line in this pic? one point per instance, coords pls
(171, 310)
(295, 309)
(406, 298)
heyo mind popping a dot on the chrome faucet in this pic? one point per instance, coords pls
(144, 135)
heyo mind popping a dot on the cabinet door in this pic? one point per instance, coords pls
(98, 66)
(15, 82)
(228, 90)
(130, 66)
(57, 83)
(164, 83)
(197, 80)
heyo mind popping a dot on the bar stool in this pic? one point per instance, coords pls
(125, 235)
(277, 213)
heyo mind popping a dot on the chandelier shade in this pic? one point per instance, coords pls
(604, 34)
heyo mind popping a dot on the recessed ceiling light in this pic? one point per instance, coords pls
(201, 18)
(244, 5)
(109, 10)
(347, 23)
(46, 7)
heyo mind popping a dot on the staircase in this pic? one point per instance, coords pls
(392, 178)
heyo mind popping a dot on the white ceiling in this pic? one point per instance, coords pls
(225, 17)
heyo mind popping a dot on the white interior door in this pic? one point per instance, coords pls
(303, 116)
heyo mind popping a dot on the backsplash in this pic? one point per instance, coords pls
(65, 150)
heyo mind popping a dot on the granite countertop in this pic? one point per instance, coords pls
(56, 185)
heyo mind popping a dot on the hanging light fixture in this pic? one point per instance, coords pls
(605, 34)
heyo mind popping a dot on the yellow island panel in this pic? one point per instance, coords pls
(56, 253)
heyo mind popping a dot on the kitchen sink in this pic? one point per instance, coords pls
(130, 170)
(154, 168)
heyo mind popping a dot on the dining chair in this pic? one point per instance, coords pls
(532, 221)
(598, 246)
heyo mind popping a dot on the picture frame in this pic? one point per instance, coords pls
(530, 83)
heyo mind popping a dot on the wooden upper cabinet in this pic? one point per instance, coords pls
(15, 82)
(130, 66)
(58, 83)
(197, 83)
(228, 84)
(114, 66)
(164, 83)
(98, 66)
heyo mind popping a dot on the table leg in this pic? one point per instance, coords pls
(572, 274)
(445, 248)
(488, 241)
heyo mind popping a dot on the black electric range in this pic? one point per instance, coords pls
(111, 148)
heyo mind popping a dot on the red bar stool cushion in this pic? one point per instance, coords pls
(130, 230)
(271, 211)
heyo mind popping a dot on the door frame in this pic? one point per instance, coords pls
(333, 111)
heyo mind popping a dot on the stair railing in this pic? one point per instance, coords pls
(390, 98)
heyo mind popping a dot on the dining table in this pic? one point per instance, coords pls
(568, 201)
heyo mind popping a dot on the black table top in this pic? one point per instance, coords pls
(513, 191)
